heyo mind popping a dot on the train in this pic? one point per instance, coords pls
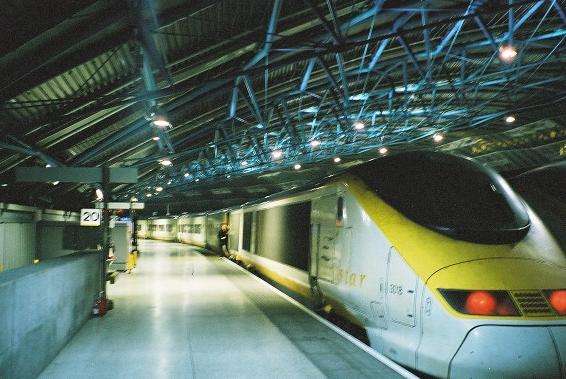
(447, 269)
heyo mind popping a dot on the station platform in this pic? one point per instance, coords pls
(182, 314)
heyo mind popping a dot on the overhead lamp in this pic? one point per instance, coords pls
(315, 143)
(99, 194)
(507, 53)
(4, 185)
(438, 137)
(55, 183)
(358, 125)
(244, 163)
(186, 175)
(159, 189)
(510, 119)
(47, 165)
(148, 195)
(161, 121)
(297, 166)
(134, 199)
(337, 159)
(155, 138)
(197, 179)
(383, 151)
(228, 176)
(277, 154)
(169, 181)
(166, 162)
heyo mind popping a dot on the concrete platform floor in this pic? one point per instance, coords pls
(181, 314)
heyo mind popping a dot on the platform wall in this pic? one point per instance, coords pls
(41, 307)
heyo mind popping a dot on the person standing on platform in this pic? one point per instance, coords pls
(223, 240)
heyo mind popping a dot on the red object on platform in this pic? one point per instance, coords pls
(481, 303)
(558, 301)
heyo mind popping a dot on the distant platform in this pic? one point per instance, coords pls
(182, 314)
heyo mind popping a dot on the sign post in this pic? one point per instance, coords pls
(89, 217)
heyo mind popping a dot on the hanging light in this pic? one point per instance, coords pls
(315, 143)
(337, 159)
(277, 154)
(383, 151)
(507, 53)
(358, 125)
(438, 137)
(99, 194)
(297, 166)
(510, 119)
(159, 189)
(166, 162)
(161, 121)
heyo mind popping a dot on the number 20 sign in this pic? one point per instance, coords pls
(90, 217)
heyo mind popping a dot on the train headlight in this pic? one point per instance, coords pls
(481, 303)
(557, 299)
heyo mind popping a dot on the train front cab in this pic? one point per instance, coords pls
(419, 327)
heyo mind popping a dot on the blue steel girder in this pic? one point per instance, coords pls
(424, 101)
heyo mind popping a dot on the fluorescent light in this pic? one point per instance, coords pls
(310, 110)
(337, 159)
(358, 125)
(383, 151)
(4, 185)
(437, 137)
(297, 166)
(159, 189)
(99, 194)
(166, 162)
(315, 143)
(510, 119)
(276, 154)
(360, 96)
(161, 122)
(156, 138)
(507, 53)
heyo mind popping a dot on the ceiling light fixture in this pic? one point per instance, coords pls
(277, 154)
(186, 175)
(297, 167)
(507, 53)
(337, 159)
(156, 138)
(315, 143)
(510, 119)
(161, 121)
(358, 125)
(159, 189)
(438, 137)
(166, 162)
(383, 151)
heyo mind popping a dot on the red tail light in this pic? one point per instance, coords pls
(557, 299)
(481, 303)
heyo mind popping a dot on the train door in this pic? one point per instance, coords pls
(324, 233)
(402, 284)
(401, 290)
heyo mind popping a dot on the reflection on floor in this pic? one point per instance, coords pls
(181, 314)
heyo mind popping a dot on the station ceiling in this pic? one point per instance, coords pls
(247, 86)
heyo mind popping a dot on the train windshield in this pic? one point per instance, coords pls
(450, 195)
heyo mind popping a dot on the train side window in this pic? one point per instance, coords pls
(340, 211)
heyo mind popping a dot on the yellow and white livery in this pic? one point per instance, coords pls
(446, 269)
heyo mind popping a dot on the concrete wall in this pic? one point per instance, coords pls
(41, 307)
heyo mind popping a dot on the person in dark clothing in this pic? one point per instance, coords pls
(223, 240)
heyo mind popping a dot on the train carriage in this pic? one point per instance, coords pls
(445, 267)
